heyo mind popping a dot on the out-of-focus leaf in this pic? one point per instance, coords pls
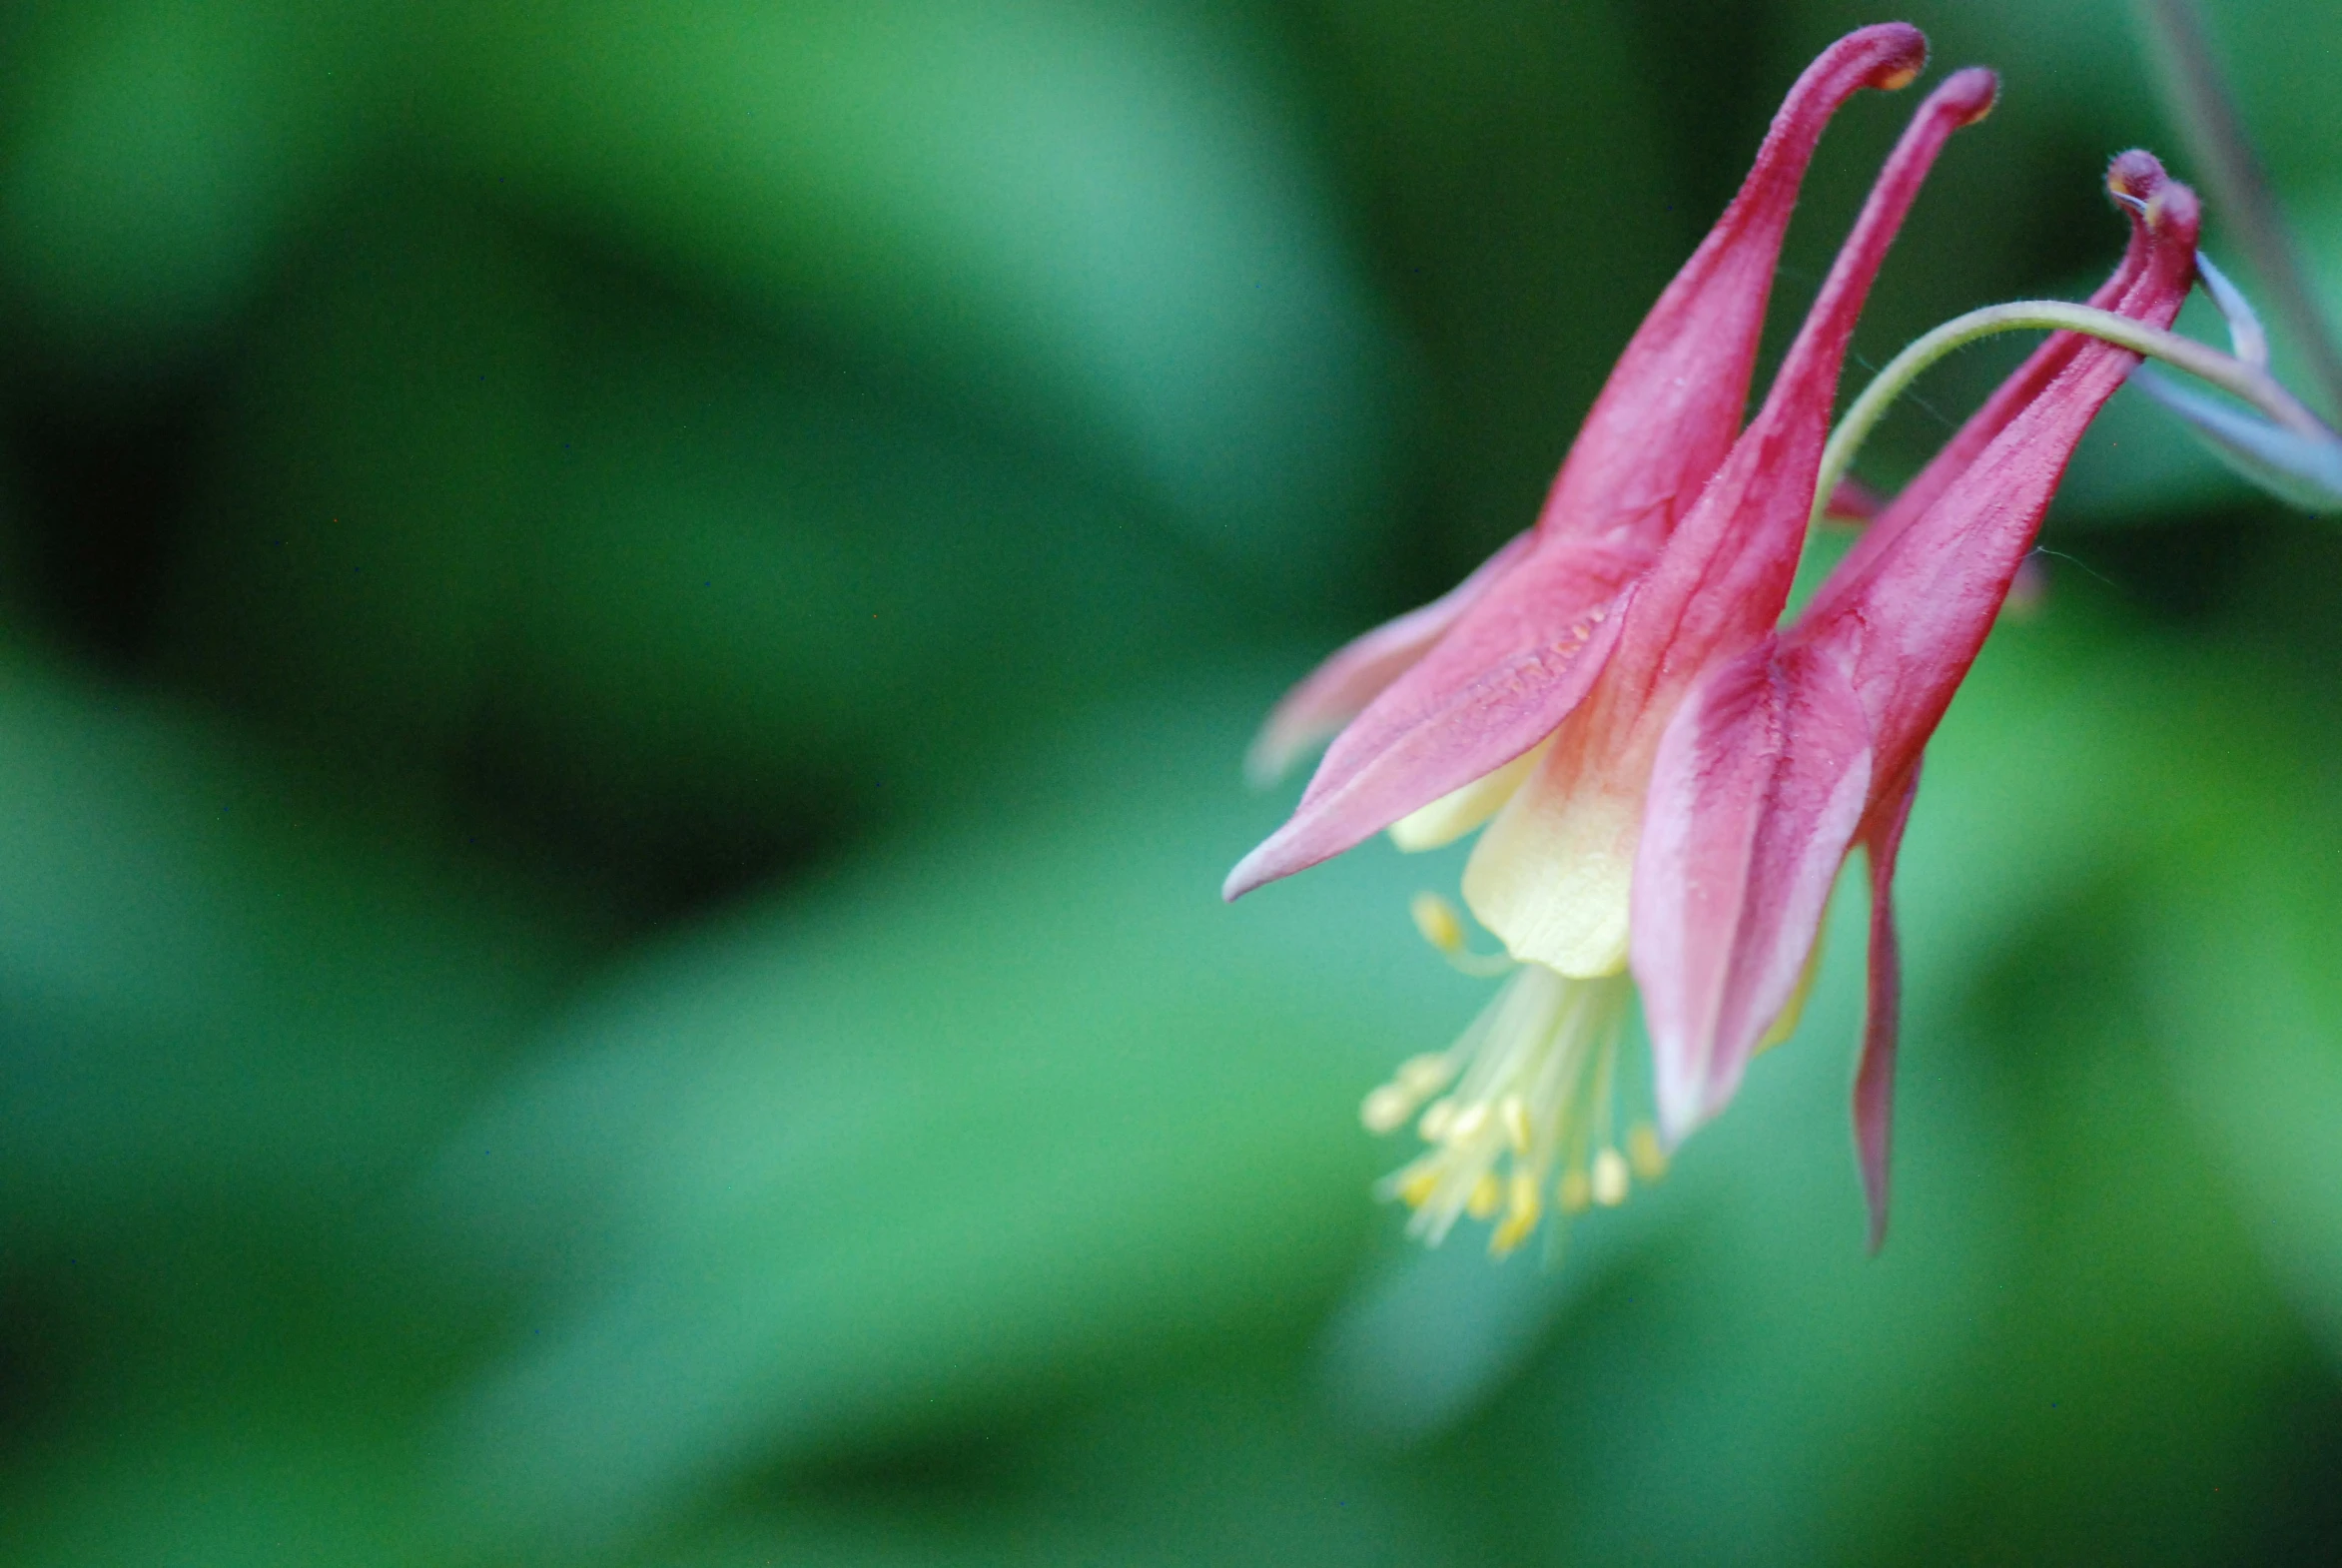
(2271, 55)
(470, 490)
(1233, 1469)
(1095, 224)
(157, 153)
(946, 1132)
(216, 981)
(1515, 157)
(219, 1485)
(383, 485)
(2239, 955)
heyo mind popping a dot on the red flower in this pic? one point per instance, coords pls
(1809, 742)
(1539, 690)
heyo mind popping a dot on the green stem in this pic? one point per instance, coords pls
(2231, 374)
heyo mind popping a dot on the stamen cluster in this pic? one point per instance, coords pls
(1531, 1115)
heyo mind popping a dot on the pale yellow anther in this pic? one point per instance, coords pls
(1643, 1151)
(1577, 1193)
(1524, 1209)
(1435, 1121)
(1610, 1178)
(1487, 1194)
(1417, 1189)
(1423, 1075)
(1386, 1109)
(1439, 921)
(1514, 1112)
(1467, 1124)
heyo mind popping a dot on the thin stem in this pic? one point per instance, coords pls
(2239, 186)
(2231, 374)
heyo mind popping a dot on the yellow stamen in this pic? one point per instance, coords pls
(1487, 1192)
(1514, 1112)
(1442, 925)
(1577, 1193)
(1417, 1079)
(1525, 1095)
(1439, 921)
(1610, 1178)
(1643, 1151)
(1423, 1075)
(1521, 1215)
(1386, 1110)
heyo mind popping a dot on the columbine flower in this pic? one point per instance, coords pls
(1807, 744)
(1537, 692)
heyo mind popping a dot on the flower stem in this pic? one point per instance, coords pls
(2229, 373)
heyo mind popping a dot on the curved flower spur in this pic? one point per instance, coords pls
(1538, 691)
(1445, 695)
(1787, 756)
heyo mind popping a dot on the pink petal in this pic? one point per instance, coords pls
(1516, 662)
(1759, 785)
(1494, 686)
(1726, 571)
(1874, 1079)
(1340, 689)
(1671, 408)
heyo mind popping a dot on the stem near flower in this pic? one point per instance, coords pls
(2232, 376)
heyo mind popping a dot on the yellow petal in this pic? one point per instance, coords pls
(1551, 875)
(1459, 811)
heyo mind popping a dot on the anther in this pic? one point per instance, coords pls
(1514, 1112)
(1423, 1074)
(1610, 1178)
(1437, 1121)
(1439, 921)
(1467, 1123)
(1442, 925)
(1386, 1109)
(1522, 1212)
(1577, 1193)
(1487, 1194)
(1643, 1151)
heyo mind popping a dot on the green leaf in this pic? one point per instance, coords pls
(1015, 1104)
(1097, 226)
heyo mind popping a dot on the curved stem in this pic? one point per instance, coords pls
(2231, 374)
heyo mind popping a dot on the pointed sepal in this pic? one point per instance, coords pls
(1759, 785)
(1873, 1078)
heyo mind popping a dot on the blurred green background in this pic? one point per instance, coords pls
(628, 631)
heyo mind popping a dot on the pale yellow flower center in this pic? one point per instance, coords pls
(1518, 1113)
